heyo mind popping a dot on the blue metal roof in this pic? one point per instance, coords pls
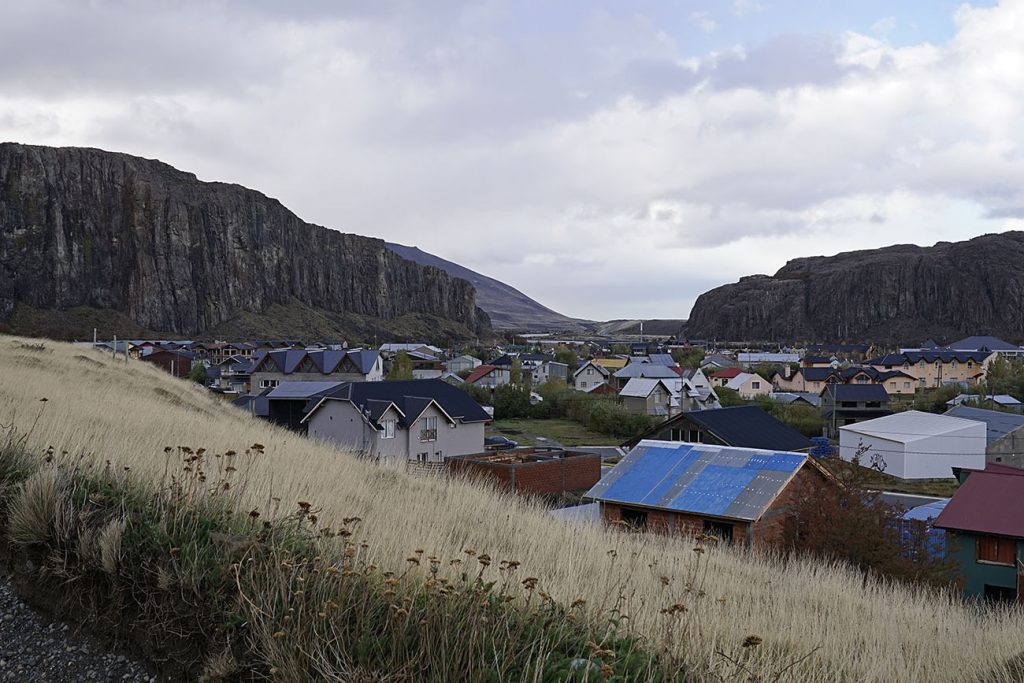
(737, 483)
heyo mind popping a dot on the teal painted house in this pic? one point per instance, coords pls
(984, 523)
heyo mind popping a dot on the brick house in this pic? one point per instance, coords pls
(532, 470)
(743, 495)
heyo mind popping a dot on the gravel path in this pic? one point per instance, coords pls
(32, 648)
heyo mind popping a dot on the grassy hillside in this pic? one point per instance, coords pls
(851, 629)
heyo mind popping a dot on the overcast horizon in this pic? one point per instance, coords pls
(608, 160)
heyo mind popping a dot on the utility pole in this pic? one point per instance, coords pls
(113, 352)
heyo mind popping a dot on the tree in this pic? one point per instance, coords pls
(401, 367)
(729, 397)
(566, 355)
(688, 358)
(511, 401)
(516, 373)
(198, 374)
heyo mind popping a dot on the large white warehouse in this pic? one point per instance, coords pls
(916, 445)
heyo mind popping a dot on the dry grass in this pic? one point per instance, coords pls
(859, 632)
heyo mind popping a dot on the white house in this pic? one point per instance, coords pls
(463, 364)
(916, 445)
(590, 375)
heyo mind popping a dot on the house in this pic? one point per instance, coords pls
(915, 445)
(749, 385)
(740, 426)
(989, 344)
(820, 362)
(742, 495)
(531, 470)
(270, 368)
(720, 378)
(235, 374)
(590, 375)
(489, 376)
(420, 421)
(693, 391)
(389, 351)
(647, 396)
(178, 363)
(1004, 433)
(452, 379)
(984, 522)
(425, 365)
(646, 370)
(287, 403)
(937, 368)
(718, 362)
(665, 359)
(795, 398)
(851, 352)
(548, 370)
(602, 390)
(847, 404)
(463, 364)
(1004, 401)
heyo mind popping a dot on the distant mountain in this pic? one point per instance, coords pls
(899, 294)
(90, 238)
(507, 307)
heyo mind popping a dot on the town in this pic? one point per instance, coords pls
(669, 436)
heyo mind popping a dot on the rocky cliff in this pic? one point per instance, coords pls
(87, 231)
(903, 293)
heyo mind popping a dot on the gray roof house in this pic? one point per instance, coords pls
(270, 368)
(397, 423)
(1004, 433)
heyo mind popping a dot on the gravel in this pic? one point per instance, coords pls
(33, 648)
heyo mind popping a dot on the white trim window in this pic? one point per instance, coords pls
(269, 383)
(428, 431)
(389, 429)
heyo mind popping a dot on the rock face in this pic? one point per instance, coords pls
(900, 294)
(508, 308)
(89, 228)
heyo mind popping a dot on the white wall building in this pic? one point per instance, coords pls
(916, 445)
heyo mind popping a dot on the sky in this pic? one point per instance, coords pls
(610, 159)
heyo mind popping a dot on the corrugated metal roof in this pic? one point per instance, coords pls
(641, 387)
(857, 392)
(299, 389)
(736, 483)
(989, 502)
(997, 424)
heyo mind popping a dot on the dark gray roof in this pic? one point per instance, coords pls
(741, 426)
(411, 397)
(980, 343)
(857, 392)
(997, 424)
(326, 361)
(914, 357)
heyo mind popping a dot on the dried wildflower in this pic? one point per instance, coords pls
(606, 670)
(484, 559)
(168, 449)
(413, 560)
(664, 580)
(530, 582)
(280, 634)
(175, 552)
(699, 550)
(752, 641)
(313, 519)
(253, 514)
(230, 468)
(578, 602)
(304, 505)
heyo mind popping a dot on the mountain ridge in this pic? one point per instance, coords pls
(107, 232)
(897, 294)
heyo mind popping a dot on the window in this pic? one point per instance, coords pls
(952, 364)
(269, 383)
(755, 385)
(996, 550)
(921, 365)
(722, 530)
(590, 371)
(583, 385)
(970, 365)
(423, 457)
(429, 430)
(906, 385)
(389, 429)
(636, 519)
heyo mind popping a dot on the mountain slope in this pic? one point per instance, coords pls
(134, 241)
(902, 293)
(507, 307)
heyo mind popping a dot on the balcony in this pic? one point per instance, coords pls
(428, 435)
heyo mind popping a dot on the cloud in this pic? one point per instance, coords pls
(601, 159)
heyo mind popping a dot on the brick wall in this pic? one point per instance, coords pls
(573, 473)
(668, 522)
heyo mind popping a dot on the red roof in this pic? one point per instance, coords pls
(478, 373)
(989, 502)
(728, 373)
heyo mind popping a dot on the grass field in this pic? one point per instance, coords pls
(826, 621)
(565, 432)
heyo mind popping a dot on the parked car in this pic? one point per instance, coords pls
(499, 443)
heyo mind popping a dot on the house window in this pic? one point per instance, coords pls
(996, 550)
(583, 385)
(269, 383)
(952, 364)
(906, 385)
(970, 365)
(722, 530)
(423, 457)
(921, 365)
(590, 371)
(389, 429)
(636, 519)
(755, 385)
(429, 430)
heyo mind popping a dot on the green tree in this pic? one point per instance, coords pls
(198, 374)
(516, 373)
(688, 358)
(401, 367)
(566, 355)
(729, 397)
(511, 401)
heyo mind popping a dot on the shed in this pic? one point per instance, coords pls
(915, 445)
(743, 495)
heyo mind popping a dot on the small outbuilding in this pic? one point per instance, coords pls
(1004, 433)
(743, 495)
(532, 470)
(915, 445)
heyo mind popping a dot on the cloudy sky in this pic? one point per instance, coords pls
(610, 159)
